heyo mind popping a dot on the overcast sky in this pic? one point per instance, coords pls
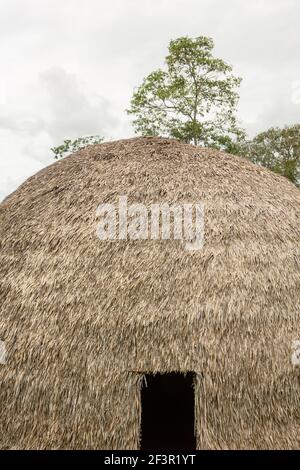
(68, 67)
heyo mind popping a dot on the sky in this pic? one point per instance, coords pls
(68, 68)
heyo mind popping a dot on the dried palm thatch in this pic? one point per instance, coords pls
(82, 319)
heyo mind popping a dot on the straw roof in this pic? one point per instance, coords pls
(82, 319)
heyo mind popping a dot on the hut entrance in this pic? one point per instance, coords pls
(168, 412)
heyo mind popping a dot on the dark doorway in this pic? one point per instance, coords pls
(168, 412)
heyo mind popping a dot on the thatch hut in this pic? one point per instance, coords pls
(83, 320)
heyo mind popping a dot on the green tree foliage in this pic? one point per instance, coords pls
(72, 146)
(277, 149)
(193, 99)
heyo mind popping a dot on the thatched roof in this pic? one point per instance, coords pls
(78, 315)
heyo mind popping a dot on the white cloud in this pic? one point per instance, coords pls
(69, 68)
(70, 111)
(15, 165)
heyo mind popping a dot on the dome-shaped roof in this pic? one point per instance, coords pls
(74, 307)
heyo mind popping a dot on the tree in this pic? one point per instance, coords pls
(277, 149)
(194, 99)
(69, 146)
